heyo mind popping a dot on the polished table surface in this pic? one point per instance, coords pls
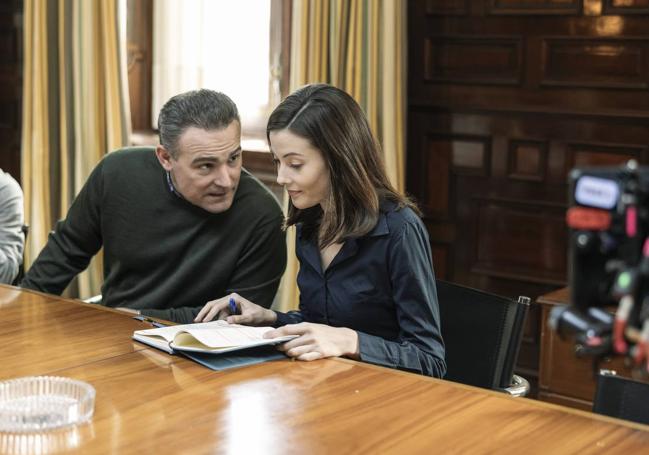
(151, 402)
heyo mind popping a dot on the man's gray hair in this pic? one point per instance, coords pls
(204, 109)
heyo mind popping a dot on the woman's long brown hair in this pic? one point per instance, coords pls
(334, 123)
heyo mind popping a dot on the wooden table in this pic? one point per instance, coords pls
(150, 402)
(563, 377)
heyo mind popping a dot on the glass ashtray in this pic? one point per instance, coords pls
(40, 403)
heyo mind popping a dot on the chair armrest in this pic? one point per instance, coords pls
(93, 299)
(520, 387)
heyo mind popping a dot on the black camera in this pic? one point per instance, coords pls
(608, 266)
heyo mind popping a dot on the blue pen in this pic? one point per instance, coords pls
(150, 321)
(233, 306)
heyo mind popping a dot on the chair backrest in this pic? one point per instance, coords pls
(21, 268)
(482, 333)
(622, 398)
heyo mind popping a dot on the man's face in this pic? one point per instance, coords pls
(207, 166)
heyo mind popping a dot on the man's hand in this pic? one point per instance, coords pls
(248, 312)
(317, 341)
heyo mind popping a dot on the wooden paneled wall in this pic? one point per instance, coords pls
(10, 85)
(505, 97)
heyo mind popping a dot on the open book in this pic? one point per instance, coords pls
(214, 337)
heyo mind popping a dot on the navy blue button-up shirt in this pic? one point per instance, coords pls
(382, 286)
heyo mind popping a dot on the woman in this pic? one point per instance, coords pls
(367, 289)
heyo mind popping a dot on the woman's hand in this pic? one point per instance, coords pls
(248, 312)
(317, 341)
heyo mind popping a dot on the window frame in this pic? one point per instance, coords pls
(140, 50)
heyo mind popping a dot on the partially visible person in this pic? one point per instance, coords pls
(180, 224)
(12, 239)
(367, 289)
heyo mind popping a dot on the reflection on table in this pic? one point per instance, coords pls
(148, 401)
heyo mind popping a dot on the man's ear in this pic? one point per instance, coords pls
(164, 157)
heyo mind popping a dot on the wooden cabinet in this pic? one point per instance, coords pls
(564, 378)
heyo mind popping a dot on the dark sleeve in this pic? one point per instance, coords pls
(257, 274)
(262, 262)
(182, 315)
(292, 317)
(74, 241)
(419, 347)
(12, 241)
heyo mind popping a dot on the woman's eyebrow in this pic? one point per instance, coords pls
(286, 155)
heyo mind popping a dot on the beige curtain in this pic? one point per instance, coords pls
(75, 109)
(360, 47)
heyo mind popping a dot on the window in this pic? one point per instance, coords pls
(232, 47)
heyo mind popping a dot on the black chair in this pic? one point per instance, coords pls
(621, 397)
(21, 268)
(482, 333)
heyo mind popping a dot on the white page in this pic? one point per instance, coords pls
(231, 335)
(216, 335)
(168, 333)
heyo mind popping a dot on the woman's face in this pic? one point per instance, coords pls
(301, 169)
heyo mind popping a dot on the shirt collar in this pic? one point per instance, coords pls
(170, 185)
(381, 227)
(311, 253)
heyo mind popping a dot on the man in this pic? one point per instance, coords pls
(181, 224)
(12, 240)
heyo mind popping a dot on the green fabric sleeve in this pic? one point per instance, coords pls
(72, 243)
(261, 266)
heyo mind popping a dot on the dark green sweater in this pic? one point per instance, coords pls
(162, 254)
